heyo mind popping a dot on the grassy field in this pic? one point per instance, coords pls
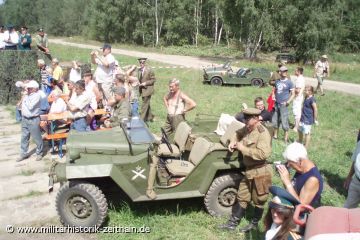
(331, 146)
(344, 67)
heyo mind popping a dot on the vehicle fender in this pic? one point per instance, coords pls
(213, 169)
(57, 172)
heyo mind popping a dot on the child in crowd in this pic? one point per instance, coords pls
(308, 116)
(297, 104)
(299, 97)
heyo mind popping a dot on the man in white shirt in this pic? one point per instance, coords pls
(2, 38)
(78, 106)
(105, 70)
(11, 38)
(322, 70)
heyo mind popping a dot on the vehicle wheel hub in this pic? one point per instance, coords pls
(227, 197)
(80, 207)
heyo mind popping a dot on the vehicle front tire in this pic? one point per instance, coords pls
(221, 195)
(257, 82)
(81, 204)
(216, 81)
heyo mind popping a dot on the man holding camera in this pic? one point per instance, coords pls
(307, 184)
(254, 142)
(105, 70)
(322, 70)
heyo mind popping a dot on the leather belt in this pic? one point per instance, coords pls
(29, 118)
(256, 166)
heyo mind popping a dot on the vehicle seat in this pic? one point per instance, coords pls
(181, 135)
(333, 223)
(198, 152)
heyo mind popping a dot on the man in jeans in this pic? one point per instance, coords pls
(30, 123)
(284, 94)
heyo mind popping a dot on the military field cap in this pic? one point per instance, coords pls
(143, 59)
(106, 46)
(251, 112)
(32, 84)
(40, 30)
(282, 198)
(324, 56)
(119, 91)
(283, 69)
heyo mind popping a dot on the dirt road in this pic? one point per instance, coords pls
(197, 63)
(24, 197)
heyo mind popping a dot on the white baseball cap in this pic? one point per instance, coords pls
(32, 84)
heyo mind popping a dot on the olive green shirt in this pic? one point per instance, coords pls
(257, 145)
(42, 41)
(121, 110)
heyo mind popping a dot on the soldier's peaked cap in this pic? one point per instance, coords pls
(282, 198)
(251, 112)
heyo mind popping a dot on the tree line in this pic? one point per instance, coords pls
(308, 27)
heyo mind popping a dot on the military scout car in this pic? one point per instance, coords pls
(192, 165)
(225, 74)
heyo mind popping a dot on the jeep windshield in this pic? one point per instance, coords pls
(136, 131)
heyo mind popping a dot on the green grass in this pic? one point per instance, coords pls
(344, 67)
(332, 142)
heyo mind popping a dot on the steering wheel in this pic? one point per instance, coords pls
(165, 139)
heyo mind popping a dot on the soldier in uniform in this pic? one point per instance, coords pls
(25, 39)
(254, 142)
(122, 109)
(146, 89)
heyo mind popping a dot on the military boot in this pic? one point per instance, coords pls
(258, 212)
(237, 213)
(150, 193)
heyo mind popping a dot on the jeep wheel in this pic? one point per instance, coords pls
(216, 81)
(222, 195)
(81, 204)
(257, 82)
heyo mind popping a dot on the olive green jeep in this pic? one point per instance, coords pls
(196, 163)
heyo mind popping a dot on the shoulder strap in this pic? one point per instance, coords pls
(177, 102)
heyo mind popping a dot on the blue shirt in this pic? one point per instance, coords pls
(299, 181)
(282, 90)
(307, 115)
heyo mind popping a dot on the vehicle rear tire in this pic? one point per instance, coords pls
(222, 195)
(81, 204)
(216, 81)
(257, 82)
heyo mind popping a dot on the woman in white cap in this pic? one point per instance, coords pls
(322, 70)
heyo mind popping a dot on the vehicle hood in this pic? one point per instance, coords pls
(103, 142)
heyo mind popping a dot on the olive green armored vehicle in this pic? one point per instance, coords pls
(195, 163)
